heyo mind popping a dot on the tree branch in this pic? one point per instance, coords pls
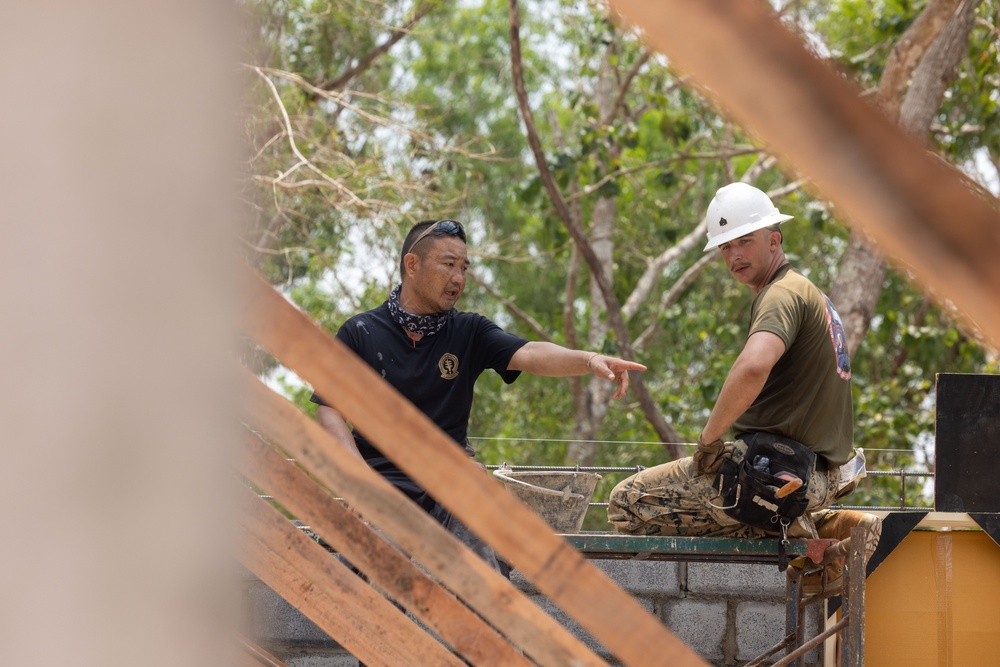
(692, 240)
(671, 296)
(917, 73)
(354, 199)
(909, 50)
(517, 312)
(623, 88)
(650, 409)
(342, 100)
(652, 274)
(366, 61)
(625, 171)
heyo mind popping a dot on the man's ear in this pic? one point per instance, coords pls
(410, 261)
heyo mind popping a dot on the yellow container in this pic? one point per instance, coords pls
(935, 600)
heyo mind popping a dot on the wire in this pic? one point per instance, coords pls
(636, 442)
(596, 442)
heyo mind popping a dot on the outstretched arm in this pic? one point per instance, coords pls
(551, 360)
(334, 424)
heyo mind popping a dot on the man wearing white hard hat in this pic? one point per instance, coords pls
(786, 400)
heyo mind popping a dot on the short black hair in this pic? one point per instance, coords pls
(414, 234)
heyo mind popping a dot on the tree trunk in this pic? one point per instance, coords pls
(919, 70)
(616, 320)
(602, 222)
(857, 288)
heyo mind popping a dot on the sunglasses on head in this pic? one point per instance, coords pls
(441, 228)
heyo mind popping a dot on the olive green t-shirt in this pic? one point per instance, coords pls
(807, 396)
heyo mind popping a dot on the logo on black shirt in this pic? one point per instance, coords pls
(448, 365)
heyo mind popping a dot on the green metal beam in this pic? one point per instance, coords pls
(662, 547)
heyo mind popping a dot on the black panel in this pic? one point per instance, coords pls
(895, 527)
(990, 523)
(967, 443)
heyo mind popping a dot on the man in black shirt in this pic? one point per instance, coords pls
(433, 354)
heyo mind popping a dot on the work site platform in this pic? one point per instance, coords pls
(850, 628)
(705, 549)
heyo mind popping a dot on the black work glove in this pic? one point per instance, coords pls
(708, 457)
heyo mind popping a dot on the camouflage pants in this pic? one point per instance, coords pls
(671, 499)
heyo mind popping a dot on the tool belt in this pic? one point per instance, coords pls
(748, 489)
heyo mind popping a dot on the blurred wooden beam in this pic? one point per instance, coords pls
(925, 214)
(386, 567)
(468, 576)
(337, 600)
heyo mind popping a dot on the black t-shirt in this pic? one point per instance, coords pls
(437, 373)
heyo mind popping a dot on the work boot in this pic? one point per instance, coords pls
(837, 524)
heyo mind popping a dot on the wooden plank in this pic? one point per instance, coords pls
(468, 576)
(922, 211)
(385, 565)
(610, 614)
(947, 521)
(254, 656)
(333, 597)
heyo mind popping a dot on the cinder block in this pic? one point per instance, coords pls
(317, 659)
(575, 628)
(272, 619)
(759, 626)
(643, 577)
(639, 577)
(522, 582)
(747, 580)
(701, 624)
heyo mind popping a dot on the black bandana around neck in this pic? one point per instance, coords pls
(427, 325)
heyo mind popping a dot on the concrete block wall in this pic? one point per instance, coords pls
(728, 613)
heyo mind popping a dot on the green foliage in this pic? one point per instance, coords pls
(969, 119)
(861, 35)
(894, 382)
(431, 128)
(911, 339)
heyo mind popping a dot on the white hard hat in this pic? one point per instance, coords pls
(737, 210)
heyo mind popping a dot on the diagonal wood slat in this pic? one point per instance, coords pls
(464, 573)
(385, 566)
(920, 209)
(304, 574)
(412, 440)
(254, 656)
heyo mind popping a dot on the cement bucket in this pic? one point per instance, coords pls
(561, 498)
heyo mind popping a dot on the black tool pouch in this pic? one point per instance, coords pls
(748, 494)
